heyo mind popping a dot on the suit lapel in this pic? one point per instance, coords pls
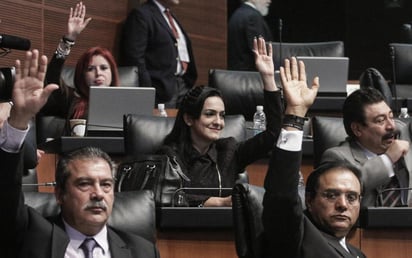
(357, 153)
(338, 248)
(60, 240)
(118, 247)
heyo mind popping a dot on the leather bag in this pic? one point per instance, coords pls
(156, 172)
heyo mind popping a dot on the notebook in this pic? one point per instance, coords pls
(107, 105)
(332, 72)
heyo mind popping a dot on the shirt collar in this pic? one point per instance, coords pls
(77, 238)
(250, 4)
(161, 7)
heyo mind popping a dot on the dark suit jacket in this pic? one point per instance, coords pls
(148, 42)
(245, 24)
(31, 235)
(288, 230)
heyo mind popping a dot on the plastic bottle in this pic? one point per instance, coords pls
(404, 113)
(259, 120)
(162, 110)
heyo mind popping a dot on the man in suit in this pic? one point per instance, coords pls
(332, 194)
(159, 46)
(373, 146)
(246, 23)
(84, 189)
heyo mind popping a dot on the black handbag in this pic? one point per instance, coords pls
(156, 172)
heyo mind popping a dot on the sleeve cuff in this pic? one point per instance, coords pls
(11, 139)
(388, 164)
(290, 140)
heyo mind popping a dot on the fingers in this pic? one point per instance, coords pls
(34, 63)
(41, 75)
(26, 66)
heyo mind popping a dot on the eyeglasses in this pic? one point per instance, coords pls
(332, 195)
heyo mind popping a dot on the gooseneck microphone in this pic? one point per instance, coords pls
(394, 90)
(14, 42)
(280, 42)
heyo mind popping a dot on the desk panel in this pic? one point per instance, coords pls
(196, 244)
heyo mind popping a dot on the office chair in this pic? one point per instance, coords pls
(401, 57)
(287, 49)
(145, 134)
(242, 90)
(133, 211)
(247, 220)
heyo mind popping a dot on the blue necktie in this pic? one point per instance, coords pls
(87, 246)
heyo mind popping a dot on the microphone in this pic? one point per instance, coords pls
(280, 42)
(394, 91)
(52, 184)
(13, 42)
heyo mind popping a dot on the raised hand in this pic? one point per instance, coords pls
(29, 96)
(264, 63)
(77, 22)
(299, 97)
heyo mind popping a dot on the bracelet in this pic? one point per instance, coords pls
(294, 121)
(68, 42)
(64, 47)
(11, 103)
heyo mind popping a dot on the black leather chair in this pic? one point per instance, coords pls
(128, 75)
(133, 211)
(242, 90)
(145, 134)
(406, 33)
(402, 54)
(286, 49)
(49, 127)
(371, 77)
(247, 213)
(327, 132)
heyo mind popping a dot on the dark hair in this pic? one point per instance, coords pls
(191, 105)
(79, 75)
(354, 107)
(62, 171)
(312, 183)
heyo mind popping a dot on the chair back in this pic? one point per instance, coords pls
(371, 77)
(403, 62)
(242, 90)
(133, 211)
(327, 132)
(247, 220)
(286, 49)
(145, 134)
(128, 76)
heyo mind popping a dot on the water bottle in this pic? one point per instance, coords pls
(259, 120)
(162, 110)
(404, 113)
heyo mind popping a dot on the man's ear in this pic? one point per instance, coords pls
(188, 119)
(308, 202)
(59, 196)
(356, 128)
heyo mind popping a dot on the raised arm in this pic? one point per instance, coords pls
(264, 63)
(28, 92)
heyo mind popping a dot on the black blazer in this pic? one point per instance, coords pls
(288, 231)
(31, 235)
(245, 24)
(148, 42)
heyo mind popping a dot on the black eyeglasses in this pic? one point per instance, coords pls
(332, 195)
